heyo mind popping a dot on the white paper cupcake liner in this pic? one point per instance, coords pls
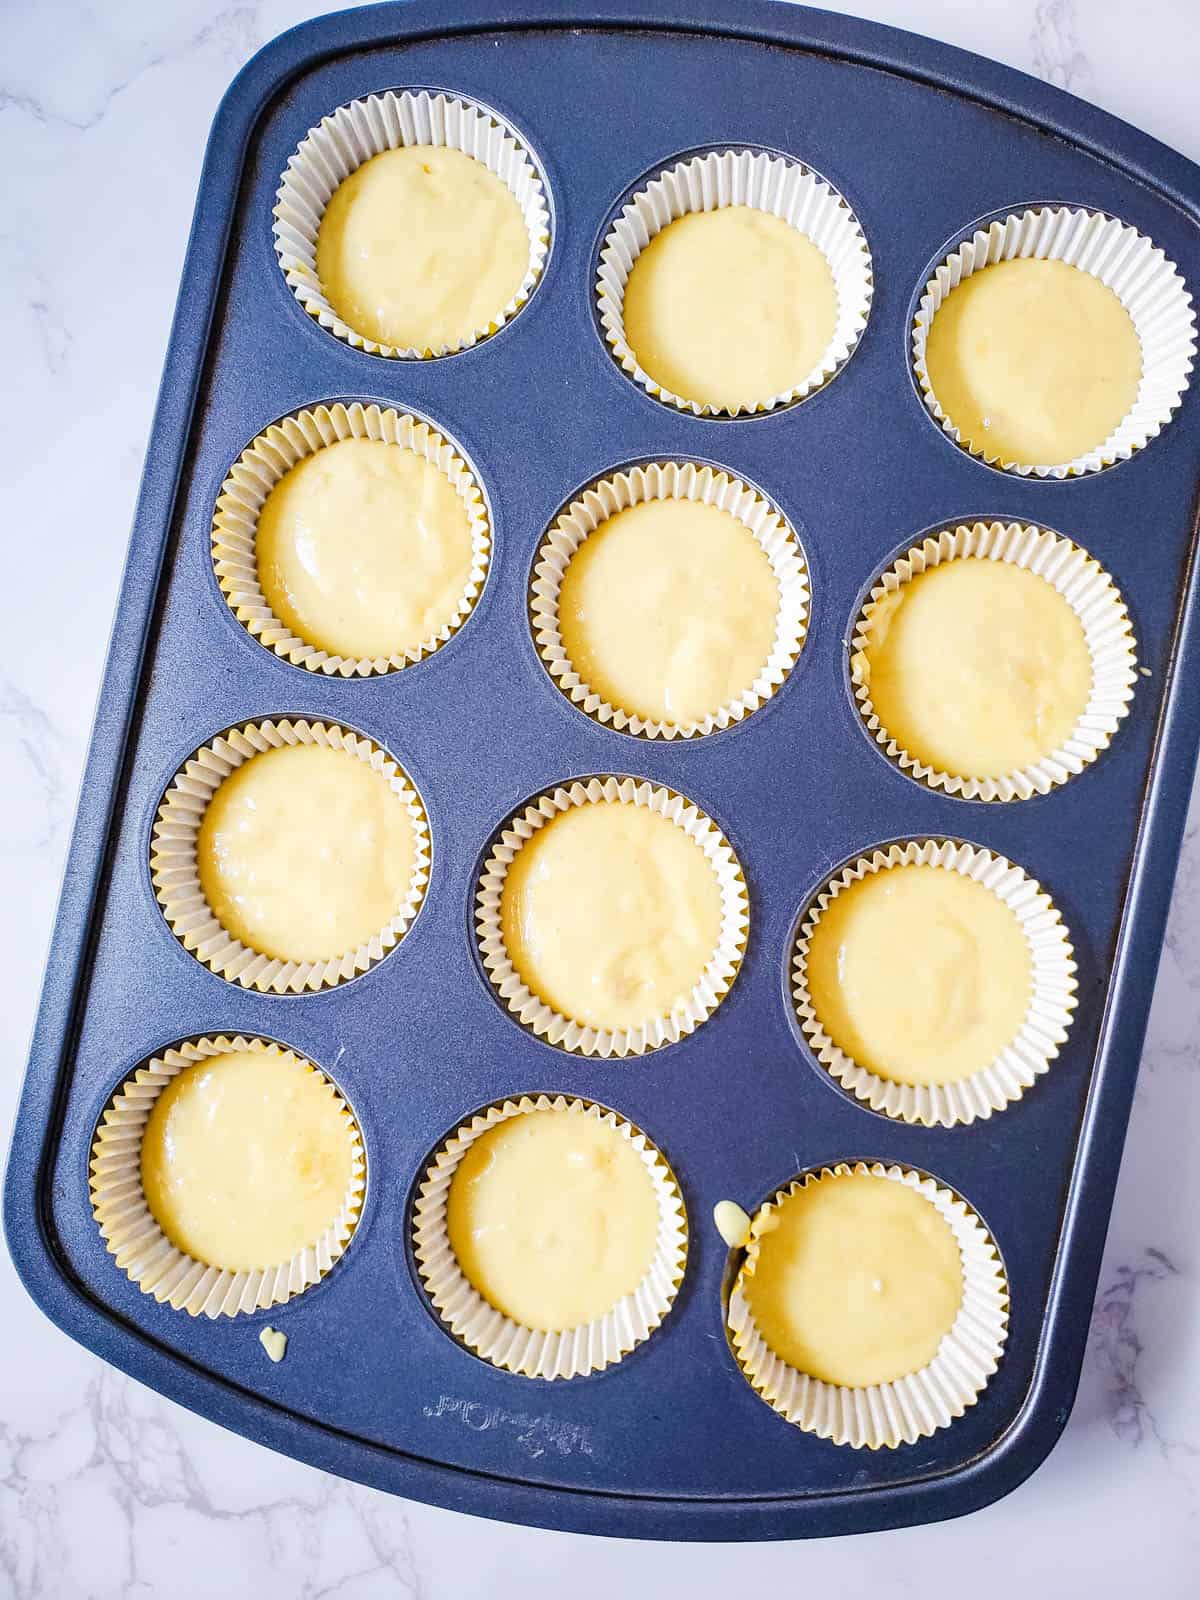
(132, 1235)
(261, 466)
(1147, 284)
(785, 189)
(356, 132)
(1047, 1019)
(177, 882)
(884, 1415)
(508, 1344)
(671, 480)
(1095, 600)
(532, 1012)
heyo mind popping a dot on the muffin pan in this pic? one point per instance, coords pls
(670, 1440)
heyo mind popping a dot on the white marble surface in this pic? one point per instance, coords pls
(107, 1490)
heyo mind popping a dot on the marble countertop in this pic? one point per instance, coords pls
(106, 1489)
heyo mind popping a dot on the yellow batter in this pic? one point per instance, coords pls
(919, 974)
(364, 549)
(553, 1218)
(610, 914)
(246, 1159)
(421, 248)
(1034, 361)
(858, 1279)
(978, 668)
(304, 853)
(730, 308)
(668, 610)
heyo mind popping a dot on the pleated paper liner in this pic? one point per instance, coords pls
(267, 459)
(356, 132)
(1047, 1020)
(540, 1018)
(784, 188)
(132, 1235)
(177, 882)
(1095, 600)
(884, 1415)
(1147, 284)
(489, 1333)
(671, 480)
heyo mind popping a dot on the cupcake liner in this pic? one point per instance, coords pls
(1047, 1021)
(497, 1338)
(1095, 600)
(883, 1415)
(132, 1235)
(784, 188)
(542, 1019)
(261, 466)
(177, 882)
(1147, 284)
(345, 141)
(671, 480)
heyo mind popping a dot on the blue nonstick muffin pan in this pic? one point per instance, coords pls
(923, 142)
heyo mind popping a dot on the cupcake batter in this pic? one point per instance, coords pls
(246, 1159)
(977, 668)
(305, 852)
(364, 549)
(919, 974)
(668, 610)
(730, 307)
(553, 1218)
(732, 1224)
(610, 914)
(857, 1279)
(1034, 362)
(421, 248)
